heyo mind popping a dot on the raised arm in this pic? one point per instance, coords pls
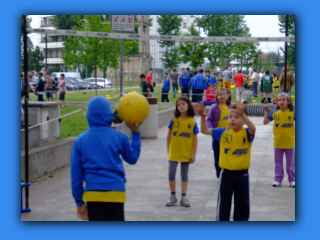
(201, 111)
(266, 120)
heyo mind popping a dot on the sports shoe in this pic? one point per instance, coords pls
(293, 184)
(172, 200)
(184, 202)
(276, 184)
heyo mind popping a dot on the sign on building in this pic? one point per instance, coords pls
(122, 23)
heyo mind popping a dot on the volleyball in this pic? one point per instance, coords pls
(133, 108)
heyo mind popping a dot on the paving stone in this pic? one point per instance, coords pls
(147, 187)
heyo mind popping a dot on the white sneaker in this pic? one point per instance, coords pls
(293, 184)
(276, 184)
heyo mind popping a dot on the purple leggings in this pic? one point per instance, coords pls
(290, 157)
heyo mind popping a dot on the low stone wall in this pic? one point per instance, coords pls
(165, 116)
(34, 138)
(47, 158)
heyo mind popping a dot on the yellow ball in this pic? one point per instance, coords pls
(133, 107)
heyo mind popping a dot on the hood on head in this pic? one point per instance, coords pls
(99, 112)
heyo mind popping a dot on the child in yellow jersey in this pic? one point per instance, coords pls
(181, 147)
(284, 137)
(234, 161)
(275, 84)
(217, 118)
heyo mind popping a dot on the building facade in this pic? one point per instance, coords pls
(54, 50)
(139, 63)
(157, 51)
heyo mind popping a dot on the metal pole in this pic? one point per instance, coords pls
(46, 51)
(285, 57)
(121, 66)
(278, 62)
(26, 119)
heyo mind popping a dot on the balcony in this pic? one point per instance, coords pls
(51, 45)
(53, 61)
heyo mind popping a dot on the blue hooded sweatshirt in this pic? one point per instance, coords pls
(95, 154)
(199, 83)
(184, 80)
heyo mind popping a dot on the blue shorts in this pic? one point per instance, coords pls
(62, 94)
(49, 94)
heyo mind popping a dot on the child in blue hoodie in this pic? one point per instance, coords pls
(165, 88)
(95, 160)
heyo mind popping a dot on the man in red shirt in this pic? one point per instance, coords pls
(239, 79)
(149, 80)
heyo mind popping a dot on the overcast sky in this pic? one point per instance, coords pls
(260, 26)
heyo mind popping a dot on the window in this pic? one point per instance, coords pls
(50, 54)
(184, 25)
(160, 49)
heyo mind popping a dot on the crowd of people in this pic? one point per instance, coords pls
(46, 85)
(103, 197)
(198, 83)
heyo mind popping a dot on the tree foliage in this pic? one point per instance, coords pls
(291, 32)
(193, 52)
(222, 53)
(169, 25)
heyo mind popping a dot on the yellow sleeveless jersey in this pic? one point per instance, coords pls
(283, 128)
(235, 148)
(104, 196)
(224, 115)
(181, 145)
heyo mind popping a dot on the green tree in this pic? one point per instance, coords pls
(213, 25)
(222, 53)
(193, 52)
(246, 52)
(169, 25)
(291, 33)
(36, 59)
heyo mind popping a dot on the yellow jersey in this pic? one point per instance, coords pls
(283, 128)
(275, 82)
(104, 196)
(235, 148)
(181, 145)
(224, 115)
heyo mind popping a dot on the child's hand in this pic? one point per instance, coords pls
(192, 159)
(200, 109)
(239, 110)
(266, 108)
(82, 212)
(134, 127)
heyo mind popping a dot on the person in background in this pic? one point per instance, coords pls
(174, 78)
(289, 82)
(199, 85)
(227, 76)
(255, 82)
(191, 87)
(266, 87)
(209, 79)
(55, 88)
(190, 73)
(40, 88)
(62, 89)
(48, 88)
(145, 87)
(220, 79)
(184, 80)
(210, 94)
(239, 79)
(150, 82)
(165, 88)
(275, 84)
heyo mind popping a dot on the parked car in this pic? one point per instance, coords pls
(71, 85)
(101, 82)
(79, 82)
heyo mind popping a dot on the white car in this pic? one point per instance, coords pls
(101, 82)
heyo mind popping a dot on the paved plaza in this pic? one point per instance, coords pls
(148, 188)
